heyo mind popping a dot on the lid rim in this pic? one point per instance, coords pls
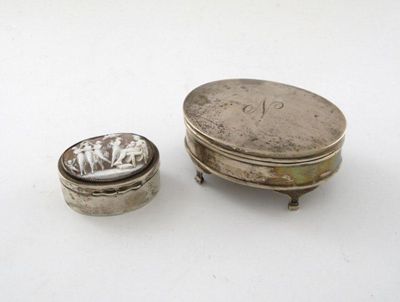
(146, 173)
(237, 151)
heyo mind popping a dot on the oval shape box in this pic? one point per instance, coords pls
(110, 174)
(263, 134)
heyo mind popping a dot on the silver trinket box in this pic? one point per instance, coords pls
(264, 134)
(110, 174)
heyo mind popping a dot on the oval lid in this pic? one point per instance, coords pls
(108, 158)
(265, 119)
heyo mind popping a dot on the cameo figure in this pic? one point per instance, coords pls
(116, 150)
(99, 157)
(71, 165)
(81, 159)
(128, 155)
(141, 145)
(87, 149)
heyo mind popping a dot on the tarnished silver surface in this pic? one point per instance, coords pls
(109, 175)
(265, 119)
(263, 134)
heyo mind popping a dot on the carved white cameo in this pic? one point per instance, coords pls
(107, 158)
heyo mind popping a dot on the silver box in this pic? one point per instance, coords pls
(110, 174)
(264, 134)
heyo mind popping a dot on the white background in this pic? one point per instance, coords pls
(75, 69)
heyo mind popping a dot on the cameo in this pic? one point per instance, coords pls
(107, 158)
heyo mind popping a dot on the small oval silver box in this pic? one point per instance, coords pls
(110, 174)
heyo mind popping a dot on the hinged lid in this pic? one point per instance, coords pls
(108, 158)
(265, 119)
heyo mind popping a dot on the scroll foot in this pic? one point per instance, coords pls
(199, 177)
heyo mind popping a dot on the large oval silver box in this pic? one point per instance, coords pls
(264, 134)
(109, 174)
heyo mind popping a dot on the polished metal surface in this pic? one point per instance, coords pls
(127, 179)
(265, 119)
(263, 134)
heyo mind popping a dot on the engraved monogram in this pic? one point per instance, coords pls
(263, 108)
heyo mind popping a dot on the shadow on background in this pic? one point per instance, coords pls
(180, 196)
(248, 197)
